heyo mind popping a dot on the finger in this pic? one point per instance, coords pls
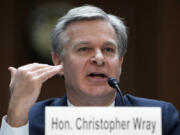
(12, 71)
(45, 69)
(34, 66)
(48, 73)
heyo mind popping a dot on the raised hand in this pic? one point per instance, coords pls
(25, 87)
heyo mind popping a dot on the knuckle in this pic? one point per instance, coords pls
(21, 70)
(28, 75)
(23, 73)
(34, 80)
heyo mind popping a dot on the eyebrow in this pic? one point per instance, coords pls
(110, 42)
(80, 42)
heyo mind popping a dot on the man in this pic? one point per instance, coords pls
(88, 47)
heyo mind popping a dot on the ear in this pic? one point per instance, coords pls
(121, 59)
(57, 60)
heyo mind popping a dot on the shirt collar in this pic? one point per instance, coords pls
(71, 105)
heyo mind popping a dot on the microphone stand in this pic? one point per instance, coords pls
(114, 84)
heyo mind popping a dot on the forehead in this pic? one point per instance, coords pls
(91, 30)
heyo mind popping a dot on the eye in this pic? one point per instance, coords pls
(109, 50)
(83, 49)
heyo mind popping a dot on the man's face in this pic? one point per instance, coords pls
(91, 56)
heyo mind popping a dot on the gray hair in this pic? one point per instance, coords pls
(87, 12)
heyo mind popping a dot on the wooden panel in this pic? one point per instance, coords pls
(169, 52)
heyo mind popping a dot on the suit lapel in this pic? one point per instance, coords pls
(118, 100)
(63, 101)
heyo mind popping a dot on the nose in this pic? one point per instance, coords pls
(98, 58)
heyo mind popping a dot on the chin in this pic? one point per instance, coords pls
(100, 92)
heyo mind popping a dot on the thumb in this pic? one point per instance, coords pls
(12, 71)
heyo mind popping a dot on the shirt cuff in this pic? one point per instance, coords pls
(6, 129)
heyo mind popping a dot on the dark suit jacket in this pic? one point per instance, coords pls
(170, 116)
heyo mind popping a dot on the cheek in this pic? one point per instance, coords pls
(116, 68)
(74, 68)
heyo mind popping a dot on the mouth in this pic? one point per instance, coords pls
(97, 75)
(97, 79)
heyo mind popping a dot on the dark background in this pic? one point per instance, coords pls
(152, 64)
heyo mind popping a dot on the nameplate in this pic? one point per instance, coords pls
(103, 121)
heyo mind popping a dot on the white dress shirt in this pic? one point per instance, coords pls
(6, 129)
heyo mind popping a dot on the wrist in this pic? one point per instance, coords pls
(17, 116)
(16, 120)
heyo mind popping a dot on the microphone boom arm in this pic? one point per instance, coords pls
(114, 84)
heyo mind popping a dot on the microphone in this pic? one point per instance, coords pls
(114, 84)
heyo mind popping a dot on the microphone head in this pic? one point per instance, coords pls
(112, 82)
